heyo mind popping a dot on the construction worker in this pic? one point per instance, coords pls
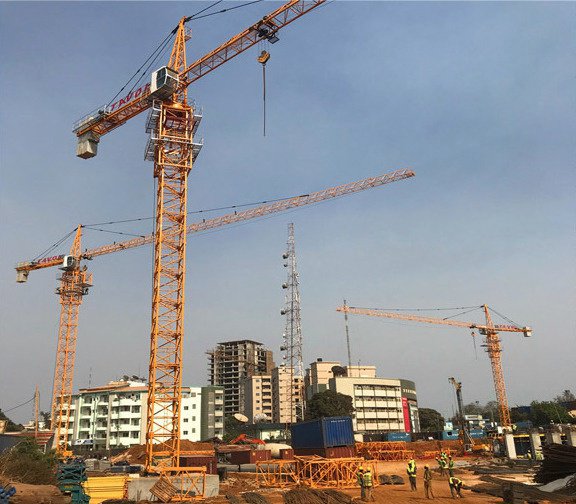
(428, 482)
(455, 487)
(450, 466)
(411, 471)
(368, 485)
(360, 480)
(440, 461)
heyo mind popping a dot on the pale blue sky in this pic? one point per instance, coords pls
(477, 98)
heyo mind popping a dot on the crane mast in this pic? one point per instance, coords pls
(492, 343)
(466, 438)
(74, 285)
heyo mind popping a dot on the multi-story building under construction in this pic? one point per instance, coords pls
(232, 361)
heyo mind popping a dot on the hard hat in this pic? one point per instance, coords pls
(360, 468)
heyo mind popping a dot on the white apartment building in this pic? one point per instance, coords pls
(257, 398)
(380, 404)
(317, 376)
(114, 415)
(287, 395)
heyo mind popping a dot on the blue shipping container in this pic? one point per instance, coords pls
(399, 436)
(327, 432)
(446, 435)
(477, 433)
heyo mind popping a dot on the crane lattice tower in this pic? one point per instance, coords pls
(292, 346)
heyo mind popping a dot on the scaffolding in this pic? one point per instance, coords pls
(385, 450)
(313, 472)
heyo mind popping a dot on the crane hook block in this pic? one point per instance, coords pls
(264, 57)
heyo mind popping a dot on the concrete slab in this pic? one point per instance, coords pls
(510, 446)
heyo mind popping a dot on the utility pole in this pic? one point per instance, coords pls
(36, 411)
(347, 339)
(292, 345)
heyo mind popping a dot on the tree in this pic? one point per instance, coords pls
(329, 403)
(45, 416)
(566, 396)
(10, 425)
(430, 420)
(547, 412)
(232, 428)
(25, 463)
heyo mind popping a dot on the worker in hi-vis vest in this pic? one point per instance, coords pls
(411, 471)
(455, 487)
(368, 485)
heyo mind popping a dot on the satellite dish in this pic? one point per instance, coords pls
(261, 417)
(240, 417)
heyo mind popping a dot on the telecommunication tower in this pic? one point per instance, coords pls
(292, 346)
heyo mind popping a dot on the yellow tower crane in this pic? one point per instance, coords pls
(172, 124)
(488, 330)
(76, 281)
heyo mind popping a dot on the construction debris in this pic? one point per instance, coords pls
(559, 462)
(255, 498)
(313, 496)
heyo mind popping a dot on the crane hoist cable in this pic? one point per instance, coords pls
(263, 59)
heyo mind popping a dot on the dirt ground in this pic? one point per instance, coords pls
(246, 482)
(38, 494)
(389, 494)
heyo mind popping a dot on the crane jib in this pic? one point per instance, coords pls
(129, 97)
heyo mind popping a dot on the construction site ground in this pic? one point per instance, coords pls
(394, 494)
(245, 481)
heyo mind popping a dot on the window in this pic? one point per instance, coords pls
(193, 406)
(185, 420)
(185, 407)
(193, 418)
(193, 431)
(185, 432)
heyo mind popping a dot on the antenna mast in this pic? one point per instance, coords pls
(293, 333)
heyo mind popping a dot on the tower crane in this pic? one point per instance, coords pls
(172, 123)
(489, 330)
(76, 281)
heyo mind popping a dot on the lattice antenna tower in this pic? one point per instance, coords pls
(292, 346)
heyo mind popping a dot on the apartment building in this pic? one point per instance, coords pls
(287, 395)
(257, 398)
(380, 404)
(317, 376)
(232, 361)
(114, 415)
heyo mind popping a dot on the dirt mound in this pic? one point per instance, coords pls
(137, 454)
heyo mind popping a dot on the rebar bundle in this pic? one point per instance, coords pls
(559, 462)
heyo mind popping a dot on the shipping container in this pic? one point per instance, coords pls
(399, 436)
(446, 435)
(477, 433)
(333, 452)
(325, 432)
(209, 462)
(286, 454)
(249, 456)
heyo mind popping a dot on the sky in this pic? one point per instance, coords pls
(476, 97)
